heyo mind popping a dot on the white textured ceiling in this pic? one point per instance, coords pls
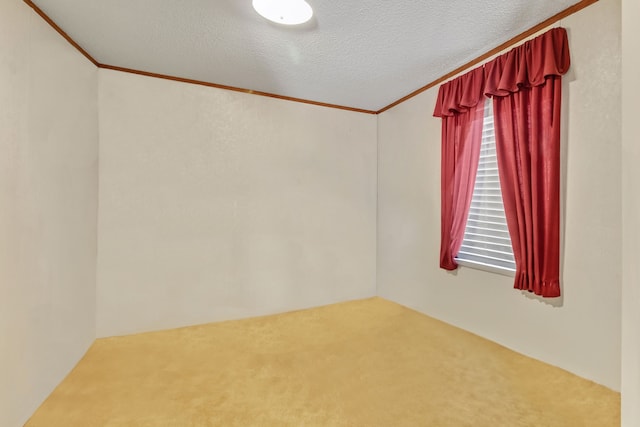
(360, 54)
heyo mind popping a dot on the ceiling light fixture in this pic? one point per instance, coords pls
(287, 12)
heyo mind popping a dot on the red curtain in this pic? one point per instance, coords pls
(526, 86)
(461, 106)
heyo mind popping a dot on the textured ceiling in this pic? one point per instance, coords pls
(360, 54)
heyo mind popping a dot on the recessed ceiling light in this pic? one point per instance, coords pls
(287, 12)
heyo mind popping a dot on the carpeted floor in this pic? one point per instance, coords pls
(362, 363)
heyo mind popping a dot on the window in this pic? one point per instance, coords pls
(529, 77)
(486, 244)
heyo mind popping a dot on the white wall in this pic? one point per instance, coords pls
(218, 205)
(580, 332)
(630, 214)
(48, 204)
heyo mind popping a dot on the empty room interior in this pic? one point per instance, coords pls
(211, 219)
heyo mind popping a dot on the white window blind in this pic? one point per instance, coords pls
(486, 240)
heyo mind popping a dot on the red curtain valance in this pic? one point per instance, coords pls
(527, 65)
(461, 94)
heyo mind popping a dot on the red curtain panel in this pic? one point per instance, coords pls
(461, 106)
(526, 86)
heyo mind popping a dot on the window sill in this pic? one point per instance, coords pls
(486, 267)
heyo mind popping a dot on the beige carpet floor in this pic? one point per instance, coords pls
(363, 363)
